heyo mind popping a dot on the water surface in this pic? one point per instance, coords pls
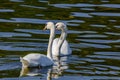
(94, 30)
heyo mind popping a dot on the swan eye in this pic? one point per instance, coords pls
(56, 25)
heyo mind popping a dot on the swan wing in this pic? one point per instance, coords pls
(35, 59)
(65, 48)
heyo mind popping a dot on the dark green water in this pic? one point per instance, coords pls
(94, 36)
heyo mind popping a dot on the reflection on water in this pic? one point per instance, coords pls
(60, 64)
(94, 30)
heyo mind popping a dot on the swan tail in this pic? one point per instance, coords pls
(25, 63)
(21, 59)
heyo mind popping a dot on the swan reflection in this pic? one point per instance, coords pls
(52, 72)
(60, 66)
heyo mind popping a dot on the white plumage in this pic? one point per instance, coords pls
(65, 48)
(56, 47)
(60, 46)
(36, 59)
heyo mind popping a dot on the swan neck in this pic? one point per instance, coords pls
(61, 40)
(52, 35)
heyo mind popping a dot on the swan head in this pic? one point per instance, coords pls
(61, 26)
(49, 25)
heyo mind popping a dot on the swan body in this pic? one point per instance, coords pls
(40, 60)
(36, 60)
(56, 47)
(60, 46)
(65, 48)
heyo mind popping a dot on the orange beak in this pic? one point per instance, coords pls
(45, 28)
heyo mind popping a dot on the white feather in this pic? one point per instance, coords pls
(65, 48)
(36, 59)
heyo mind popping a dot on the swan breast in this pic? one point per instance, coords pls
(65, 48)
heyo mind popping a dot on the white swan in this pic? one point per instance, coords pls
(60, 46)
(38, 60)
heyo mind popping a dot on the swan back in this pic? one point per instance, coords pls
(36, 60)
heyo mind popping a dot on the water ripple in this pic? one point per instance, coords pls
(117, 26)
(11, 48)
(106, 14)
(17, 0)
(45, 1)
(41, 21)
(111, 5)
(10, 66)
(12, 34)
(88, 9)
(107, 66)
(93, 36)
(95, 45)
(98, 25)
(108, 53)
(33, 31)
(25, 20)
(22, 46)
(73, 5)
(76, 14)
(111, 33)
(104, 57)
(33, 7)
(28, 39)
(99, 41)
(88, 32)
(6, 10)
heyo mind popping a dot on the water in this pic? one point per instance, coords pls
(94, 30)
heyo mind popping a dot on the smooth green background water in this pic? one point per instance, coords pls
(94, 36)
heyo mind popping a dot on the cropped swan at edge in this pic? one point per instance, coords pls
(36, 59)
(60, 46)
